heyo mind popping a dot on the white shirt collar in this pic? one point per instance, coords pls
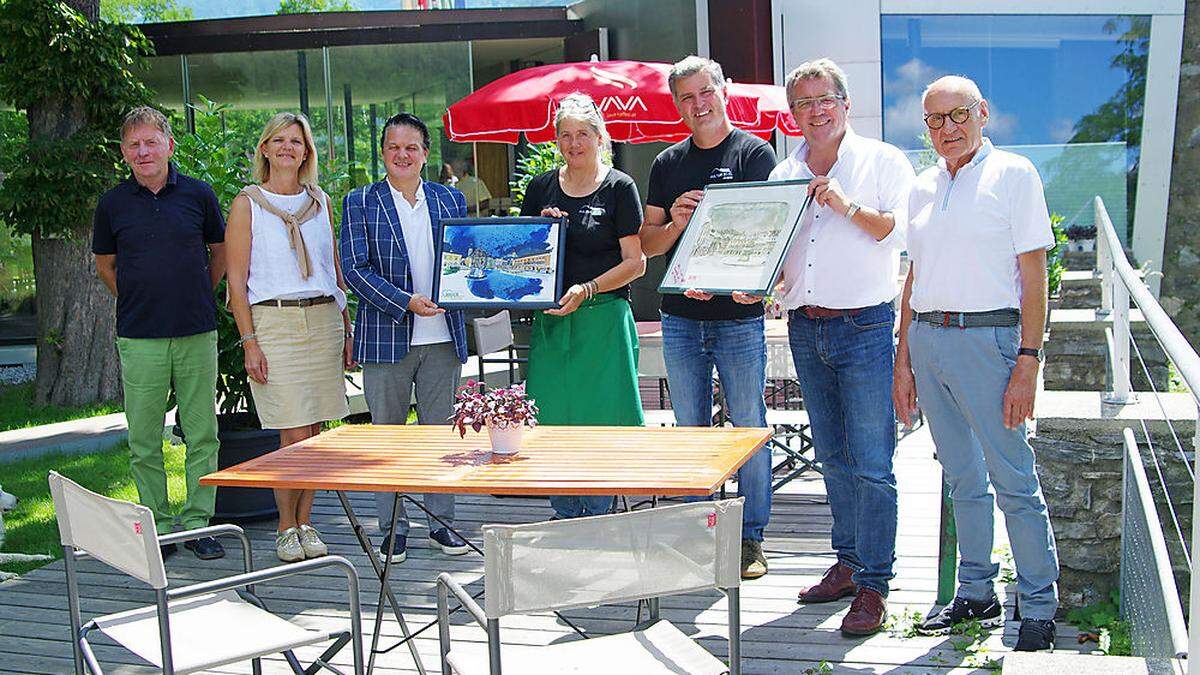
(984, 150)
(399, 196)
(849, 142)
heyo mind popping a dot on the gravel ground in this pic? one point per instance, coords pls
(16, 374)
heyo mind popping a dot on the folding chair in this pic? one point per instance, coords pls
(193, 628)
(601, 560)
(786, 416)
(494, 334)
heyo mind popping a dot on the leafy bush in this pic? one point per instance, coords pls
(1054, 259)
(535, 159)
(214, 155)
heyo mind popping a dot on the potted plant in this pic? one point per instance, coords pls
(1082, 238)
(505, 412)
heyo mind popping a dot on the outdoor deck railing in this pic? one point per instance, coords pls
(1156, 622)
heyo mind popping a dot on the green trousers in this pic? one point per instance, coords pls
(150, 369)
(583, 366)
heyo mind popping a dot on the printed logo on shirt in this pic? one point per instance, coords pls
(588, 215)
(721, 174)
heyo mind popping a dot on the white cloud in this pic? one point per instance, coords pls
(905, 117)
(1062, 129)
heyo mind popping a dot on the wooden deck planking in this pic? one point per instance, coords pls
(778, 636)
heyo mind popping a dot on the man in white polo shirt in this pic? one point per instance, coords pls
(978, 236)
(839, 278)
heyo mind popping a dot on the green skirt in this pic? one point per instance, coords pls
(583, 366)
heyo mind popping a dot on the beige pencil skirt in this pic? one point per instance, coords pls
(303, 347)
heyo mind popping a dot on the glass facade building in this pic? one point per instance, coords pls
(1065, 91)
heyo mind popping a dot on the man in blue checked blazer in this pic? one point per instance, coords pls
(402, 339)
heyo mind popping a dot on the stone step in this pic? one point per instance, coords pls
(1037, 663)
(1077, 352)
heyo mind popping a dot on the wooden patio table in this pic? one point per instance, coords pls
(554, 460)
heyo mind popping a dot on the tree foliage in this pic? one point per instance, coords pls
(1120, 117)
(48, 53)
(144, 11)
(306, 6)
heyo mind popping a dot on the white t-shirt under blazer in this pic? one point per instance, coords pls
(418, 240)
(832, 262)
(274, 273)
(966, 232)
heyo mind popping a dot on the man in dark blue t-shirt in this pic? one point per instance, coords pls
(700, 330)
(158, 238)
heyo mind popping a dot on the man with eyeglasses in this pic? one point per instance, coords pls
(701, 331)
(839, 279)
(977, 291)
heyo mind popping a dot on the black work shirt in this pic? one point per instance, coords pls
(164, 288)
(595, 223)
(740, 158)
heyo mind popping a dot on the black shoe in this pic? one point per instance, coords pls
(448, 541)
(988, 613)
(1036, 635)
(205, 548)
(399, 549)
(167, 550)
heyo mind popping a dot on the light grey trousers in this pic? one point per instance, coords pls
(435, 371)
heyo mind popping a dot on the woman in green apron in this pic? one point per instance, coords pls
(583, 355)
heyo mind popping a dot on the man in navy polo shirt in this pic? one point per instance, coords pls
(158, 238)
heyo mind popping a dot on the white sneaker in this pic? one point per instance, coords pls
(287, 545)
(310, 541)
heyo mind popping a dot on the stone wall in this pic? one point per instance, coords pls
(1180, 294)
(1080, 465)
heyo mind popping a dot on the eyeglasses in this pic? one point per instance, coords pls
(825, 102)
(959, 116)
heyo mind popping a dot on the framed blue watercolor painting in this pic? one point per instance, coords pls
(499, 263)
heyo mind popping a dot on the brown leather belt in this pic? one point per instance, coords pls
(301, 302)
(814, 312)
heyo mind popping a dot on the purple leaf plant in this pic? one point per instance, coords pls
(502, 408)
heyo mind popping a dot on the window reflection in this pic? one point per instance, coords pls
(1065, 91)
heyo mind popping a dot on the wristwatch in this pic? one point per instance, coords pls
(854, 207)
(1030, 351)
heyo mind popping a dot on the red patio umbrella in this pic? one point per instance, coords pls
(632, 96)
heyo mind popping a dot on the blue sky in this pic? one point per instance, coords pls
(1040, 74)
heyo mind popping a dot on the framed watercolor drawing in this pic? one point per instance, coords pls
(499, 263)
(737, 237)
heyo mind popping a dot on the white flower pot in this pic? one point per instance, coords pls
(506, 441)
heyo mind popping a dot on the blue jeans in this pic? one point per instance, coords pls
(845, 369)
(568, 506)
(738, 350)
(961, 375)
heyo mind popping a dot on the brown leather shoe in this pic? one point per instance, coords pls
(836, 584)
(866, 615)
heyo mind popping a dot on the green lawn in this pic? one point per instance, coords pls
(31, 528)
(17, 410)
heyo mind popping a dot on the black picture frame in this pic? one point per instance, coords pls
(497, 263)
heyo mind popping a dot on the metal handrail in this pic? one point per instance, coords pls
(1114, 265)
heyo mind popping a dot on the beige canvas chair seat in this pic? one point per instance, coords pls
(661, 648)
(585, 562)
(207, 631)
(193, 628)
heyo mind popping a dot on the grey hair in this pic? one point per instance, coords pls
(696, 64)
(955, 83)
(145, 115)
(581, 108)
(821, 68)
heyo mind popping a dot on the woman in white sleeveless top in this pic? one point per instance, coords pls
(287, 295)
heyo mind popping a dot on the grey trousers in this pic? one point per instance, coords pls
(388, 387)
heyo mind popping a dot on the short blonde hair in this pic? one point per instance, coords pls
(145, 115)
(261, 169)
(581, 108)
